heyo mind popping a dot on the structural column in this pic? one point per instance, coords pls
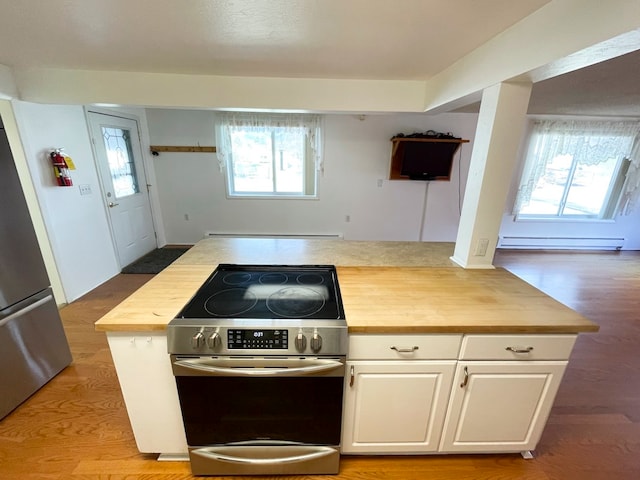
(493, 159)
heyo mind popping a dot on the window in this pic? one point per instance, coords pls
(269, 155)
(117, 143)
(575, 170)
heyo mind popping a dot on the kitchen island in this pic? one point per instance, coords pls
(416, 322)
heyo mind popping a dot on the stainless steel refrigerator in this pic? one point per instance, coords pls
(33, 345)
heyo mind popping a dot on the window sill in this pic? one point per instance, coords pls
(518, 218)
(272, 197)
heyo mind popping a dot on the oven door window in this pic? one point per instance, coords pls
(220, 410)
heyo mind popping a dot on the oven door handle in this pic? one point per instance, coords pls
(225, 454)
(254, 367)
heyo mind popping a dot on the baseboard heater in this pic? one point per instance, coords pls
(271, 235)
(562, 243)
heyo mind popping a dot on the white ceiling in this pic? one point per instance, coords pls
(342, 39)
(364, 39)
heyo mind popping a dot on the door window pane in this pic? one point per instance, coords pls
(117, 143)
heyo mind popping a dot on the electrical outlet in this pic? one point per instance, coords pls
(85, 189)
(186, 216)
(481, 247)
(380, 182)
(347, 218)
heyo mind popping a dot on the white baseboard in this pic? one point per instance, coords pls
(270, 235)
(561, 243)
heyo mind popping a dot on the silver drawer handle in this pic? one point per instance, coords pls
(298, 455)
(519, 349)
(25, 310)
(465, 380)
(254, 367)
(404, 350)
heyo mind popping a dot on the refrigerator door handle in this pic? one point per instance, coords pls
(27, 309)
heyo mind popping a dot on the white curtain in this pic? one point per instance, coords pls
(287, 123)
(631, 189)
(590, 142)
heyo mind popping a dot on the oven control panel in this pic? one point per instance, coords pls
(243, 338)
(256, 339)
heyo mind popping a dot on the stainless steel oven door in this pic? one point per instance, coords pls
(266, 415)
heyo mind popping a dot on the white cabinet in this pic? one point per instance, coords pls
(500, 406)
(450, 393)
(398, 404)
(503, 391)
(395, 406)
(149, 390)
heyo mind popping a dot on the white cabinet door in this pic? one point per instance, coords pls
(395, 406)
(500, 406)
(149, 390)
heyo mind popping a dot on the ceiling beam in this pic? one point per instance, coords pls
(80, 87)
(562, 36)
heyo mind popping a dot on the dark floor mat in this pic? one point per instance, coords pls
(155, 261)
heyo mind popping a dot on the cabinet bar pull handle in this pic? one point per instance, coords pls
(465, 380)
(352, 379)
(404, 350)
(519, 349)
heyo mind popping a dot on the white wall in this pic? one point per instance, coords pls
(15, 142)
(76, 225)
(8, 88)
(356, 156)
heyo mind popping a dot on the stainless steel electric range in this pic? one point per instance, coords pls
(258, 355)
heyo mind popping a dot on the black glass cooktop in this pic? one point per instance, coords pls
(268, 291)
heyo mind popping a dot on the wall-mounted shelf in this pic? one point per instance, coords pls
(155, 149)
(439, 156)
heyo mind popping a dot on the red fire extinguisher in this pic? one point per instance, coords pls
(61, 166)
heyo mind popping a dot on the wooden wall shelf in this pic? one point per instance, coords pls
(155, 149)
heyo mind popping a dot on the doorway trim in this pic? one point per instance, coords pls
(139, 116)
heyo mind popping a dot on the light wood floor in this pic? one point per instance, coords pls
(76, 427)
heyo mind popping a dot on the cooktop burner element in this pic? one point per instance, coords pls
(267, 292)
(292, 302)
(263, 310)
(230, 303)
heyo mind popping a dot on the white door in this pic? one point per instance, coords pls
(500, 406)
(124, 185)
(395, 407)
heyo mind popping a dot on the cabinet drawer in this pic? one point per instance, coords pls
(404, 347)
(517, 347)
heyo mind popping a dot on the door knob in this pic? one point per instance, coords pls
(111, 204)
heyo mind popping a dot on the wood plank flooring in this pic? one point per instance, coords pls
(76, 427)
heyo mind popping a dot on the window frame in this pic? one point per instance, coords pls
(310, 132)
(611, 200)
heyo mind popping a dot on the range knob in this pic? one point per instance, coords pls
(214, 340)
(316, 342)
(301, 342)
(197, 340)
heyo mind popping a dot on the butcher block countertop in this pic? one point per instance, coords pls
(378, 295)
(455, 300)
